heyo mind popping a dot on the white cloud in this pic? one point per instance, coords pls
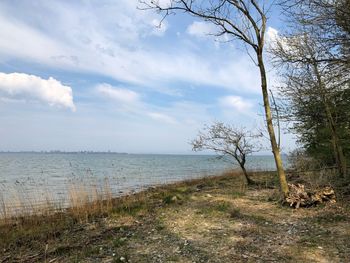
(200, 29)
(273, 38)
(163, 3)
(34, 88)
(133, 105)
(159, 27)
(235, 102)
(121, 95)
(271, 35)
(96, 40)
(162, 117)
(130, 102)
(37, 44)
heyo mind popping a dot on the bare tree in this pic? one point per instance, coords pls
(329, 23)
(243, 20)
(306, 75)
(227, 140)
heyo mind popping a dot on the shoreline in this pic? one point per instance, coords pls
(217, 219)
(81, 196)
(17, 199)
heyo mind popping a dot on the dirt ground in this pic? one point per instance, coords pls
(216, 220)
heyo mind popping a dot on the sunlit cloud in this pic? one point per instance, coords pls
(200, 29)
(160, 27)
(162, 117)
(118, 94)
(34, 88)
(236, 103)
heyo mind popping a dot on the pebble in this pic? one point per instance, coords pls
(178, 250)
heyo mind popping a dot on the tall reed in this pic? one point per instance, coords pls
(83, 199)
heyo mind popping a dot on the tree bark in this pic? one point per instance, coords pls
(245, 173)
(340, 158)
(275, 147)
(268, 115)
(339, 154)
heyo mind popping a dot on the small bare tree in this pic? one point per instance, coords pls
(228, 140)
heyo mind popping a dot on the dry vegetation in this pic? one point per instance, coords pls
(83, 197)
(208, 220)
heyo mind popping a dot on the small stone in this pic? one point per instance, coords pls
(122, 259)
(320, 247)
(178, 250)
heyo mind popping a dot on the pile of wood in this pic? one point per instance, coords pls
(299, 197)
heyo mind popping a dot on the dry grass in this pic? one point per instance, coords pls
(208, 220)
(3, 207)
(83, 199)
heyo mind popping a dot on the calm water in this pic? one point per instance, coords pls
(35, 175)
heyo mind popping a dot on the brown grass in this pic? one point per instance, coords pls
(206, 220)
(82, 200)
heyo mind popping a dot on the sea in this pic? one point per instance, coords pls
(35, 176)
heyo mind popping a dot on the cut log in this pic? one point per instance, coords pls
(299, 197)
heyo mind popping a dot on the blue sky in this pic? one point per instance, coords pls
(101, 75)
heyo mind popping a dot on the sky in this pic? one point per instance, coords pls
(105, 76)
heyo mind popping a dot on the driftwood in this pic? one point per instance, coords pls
(299, 197)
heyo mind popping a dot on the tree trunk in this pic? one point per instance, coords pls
(268, 115)
(339, 154)
(245, 173)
